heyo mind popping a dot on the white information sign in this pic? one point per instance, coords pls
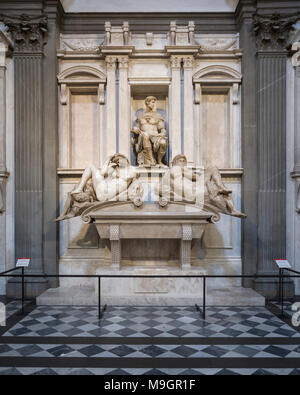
(283, 264)
(23, 262)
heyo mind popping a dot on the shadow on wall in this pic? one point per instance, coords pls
(199, 247)
(87, 237)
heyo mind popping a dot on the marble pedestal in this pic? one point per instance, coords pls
(152, 291)
(122, 220)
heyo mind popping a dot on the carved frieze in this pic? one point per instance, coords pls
(29, 33)
(213, 44)
(272, 31)
(81, 44)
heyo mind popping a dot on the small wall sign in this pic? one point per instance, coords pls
(283, 264)
(23, 262)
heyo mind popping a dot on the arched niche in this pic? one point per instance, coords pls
(81, 77)
(217, 75)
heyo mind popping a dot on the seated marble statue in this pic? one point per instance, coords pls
(183, 184)
(150, 141)
(117, 180)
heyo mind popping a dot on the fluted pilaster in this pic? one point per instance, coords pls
(271, 35)
(29, 34)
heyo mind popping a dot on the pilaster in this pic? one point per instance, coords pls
(52, 8)
(5, 46)
(111, 130)
(28, 33)
(271, 36)
(175, 138)
(124, 107)
(188, 128)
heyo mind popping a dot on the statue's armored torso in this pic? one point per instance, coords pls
(151, 123)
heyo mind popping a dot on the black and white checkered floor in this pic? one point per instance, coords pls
(148, 340)
(151, 322)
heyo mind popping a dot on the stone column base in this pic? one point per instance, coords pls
(269, 287)
(33, 287)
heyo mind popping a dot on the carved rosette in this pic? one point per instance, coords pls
(28, 32)
(272, 31)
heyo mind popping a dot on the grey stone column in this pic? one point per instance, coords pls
(244, 15)
(53, 10)
(5, 46)
(28, 35)
(296, 170)
(271, 35)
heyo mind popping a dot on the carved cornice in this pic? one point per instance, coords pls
(272, 31)
(28, 32)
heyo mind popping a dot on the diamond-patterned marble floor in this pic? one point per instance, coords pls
(65, 340)
(149, 351)
(161, 372)
(167, 321)
(13, 306)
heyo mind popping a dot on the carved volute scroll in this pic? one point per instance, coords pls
(296, 55)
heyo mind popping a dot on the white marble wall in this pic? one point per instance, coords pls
(7, 258)
(293, 218)
(150, 6)
(215, 137)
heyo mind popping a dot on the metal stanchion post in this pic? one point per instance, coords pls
(99, 297)
(23, 291)
(280, 285)
(204, 297)
(282, 279)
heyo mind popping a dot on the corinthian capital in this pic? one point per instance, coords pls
(28, 32)
(110, 62)
(272, 31)
(188, 62)
(123, 62)
(175, 62)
